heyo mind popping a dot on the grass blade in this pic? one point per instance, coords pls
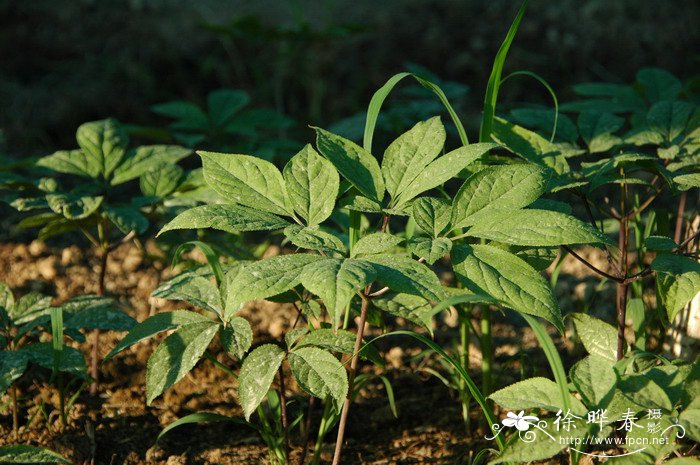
(212, 257)
(202, 417)
(546, 85)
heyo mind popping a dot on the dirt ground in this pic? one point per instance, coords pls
(117, 427)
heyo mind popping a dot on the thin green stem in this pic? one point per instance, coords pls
(464, 360)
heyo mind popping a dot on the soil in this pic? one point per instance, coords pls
(117, 427)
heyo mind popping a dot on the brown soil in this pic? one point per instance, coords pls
(118, 428)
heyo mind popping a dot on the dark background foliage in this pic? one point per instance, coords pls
(66, 62)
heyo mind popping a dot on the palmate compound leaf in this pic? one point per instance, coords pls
(431, 214)
(339, 340)
(176, 356)
(401, 273)
(320, 374)
(536, 228)
(161, 181)
(104, 142)
(73, 207)
(352, 161)
(598, 337)
(194, 287)
(312, 183)
(408, 155)
(312, 238)
(429, 249)
(246, 180)
(677, 280)
(535, 393)
(443, 169)
(488, 270)
(336, 281)
(156, 324)
(229, 218)
(22, 453)
(237, 336)
(145, 158)
(509, 187)
(71, 162)
(257, 372)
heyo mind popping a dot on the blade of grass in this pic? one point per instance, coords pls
(211, 256)
(57, 350)
(546, 85)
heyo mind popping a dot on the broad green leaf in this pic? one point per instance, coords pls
(42, 354)
(189, 115)
(104, 143)
(690, 420)
(176, 356)
(537, 257)
(669, 118)
(312, 183)
(237, 336)
(598, 337)
(257, 372)
(429, 249)
(194, 287)
(28, 307)
(294, 334)
(687, 181)
(529, 145)
(266, 278)
(312, 238)
(87, 312)
(432, 215)
(22, 453)
(535, 393)
(73, 207)
(644, 392)
(376, 243)
(594, 379)
(161, 181)
(340, 340)
(484, 269)
(659, 84)
(223, 104)
(12, 366)
(403, 274)
(127, 219)
(677, 280)
(360, 204)
(336, 281)
(596, 129)
(71, 162)
(442, 170)
(497, 188)
(156, 324)
(7, 300)
(413, 308)
(407, 156)
(320, 374)
(352, 161)
(246, 180)
(544, 119)
(536, 228)
(660, 243)
(229, 218)
(145, 158)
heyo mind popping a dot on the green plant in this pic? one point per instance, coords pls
(96, 205)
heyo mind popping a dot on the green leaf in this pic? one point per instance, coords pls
(376, 243)
(145, 158)
(660, 243)
(12, 366)
(104, 143)
(257, 372)
(229, 218)
(266, 278)
(200, 417)
(156, 324)
(644, 392)
(595, 380)
(407, 156)
(669, 118)
(352, 161)
(7, 300)
(320, 374)
(73, 207)
(237, 336)
(127, 219)
(598, 337)
(411, 307)
(22, 453)
(360, 204)
(442, 170)
(94, 312)
(536, 228)
(42, 354)
(194, 287)
(246, 180)
(687, 181)
(312, 183)
(311, 238)
(190, 116)
(596, 129)
(535, 393)
(659, 84)
(432, 215)
(336, 281)
(28, 307)
(497, 188)
(71, 162)
(176, 356)
(161, 181)
(340, 340)
(537, 257)
(690, 420)
(484, 269)
(403, 274)
(529, 145)
(223, 104)
(429, 249)
(677, 280)
(294, 334)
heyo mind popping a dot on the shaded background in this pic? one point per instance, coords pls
(66, 62)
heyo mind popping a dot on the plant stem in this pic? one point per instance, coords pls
(464, 360)
(322, 431)
(283, 415)
(104, 255)
(486, 352)
(15, 413)
(351, 380)
(622, 286)
(679, 217)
